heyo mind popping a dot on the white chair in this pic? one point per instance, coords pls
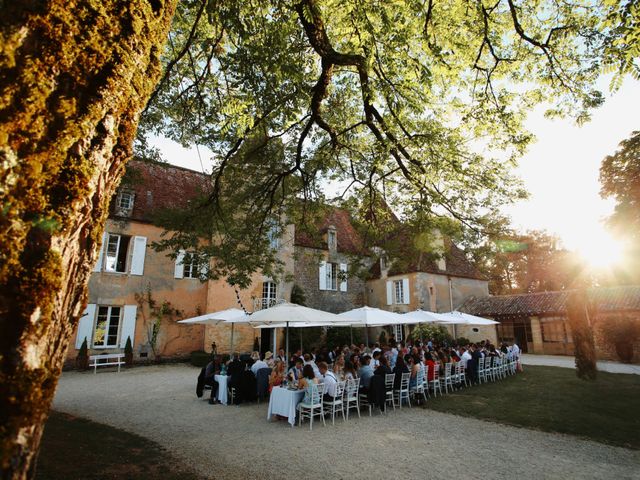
(336, 403)
(448, 377)
(482, 373)
(461, 374)
(389, 378)
(434, 384)
(403, 391)
(314, 405)
(419, 389)
(351, 397)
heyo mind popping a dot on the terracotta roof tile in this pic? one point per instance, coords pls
(349, 241)
(160, 185)
(549, 303)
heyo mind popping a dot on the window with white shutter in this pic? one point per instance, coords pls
(128, 325)
(343, 277)
(389, 292)
(85, 325)
(98, 266)
(322, 276)
(406, 294)
(179, 266)
(137, 258)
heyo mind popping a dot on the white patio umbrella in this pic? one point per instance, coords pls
(461, 318)
(422, 316)
(289, 313)
(369, 316)
(215, 318)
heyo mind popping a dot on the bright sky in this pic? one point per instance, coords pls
(560, 171)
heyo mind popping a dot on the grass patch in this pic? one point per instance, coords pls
(555, 400)
(74, 448)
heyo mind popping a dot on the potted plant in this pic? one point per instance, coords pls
(82, 360)
(128, 352)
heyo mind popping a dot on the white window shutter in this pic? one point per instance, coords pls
(204, 266)
(128, 325)
(343, 271)
(389, 293)
(85, 326)
(179, 268)
(137, 259)
(98, 266)
(322, 276)
(406, 295)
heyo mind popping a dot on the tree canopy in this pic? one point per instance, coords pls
(419, 103)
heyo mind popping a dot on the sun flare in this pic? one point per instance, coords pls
(601, 250)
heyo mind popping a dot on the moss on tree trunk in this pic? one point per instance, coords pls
(74, 75)
(579, 312)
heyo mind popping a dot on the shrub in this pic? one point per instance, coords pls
(463, 341)
(128, 352)
(82, 360)
(428, 331)
(297, 295)
(382, 339)
(339, 336)
(621, 334)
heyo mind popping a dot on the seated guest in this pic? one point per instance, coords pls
(365, 373)
(277, 375)
(281, 356)
(429, 363)
(257, 365)
(399, 369)
(465, 357)
(209, 378)
(330, 382)
(235, 369)
(308, 379)
(295, 372)
(268, 358)
(383, 368)
(375, 361)
(338, 366)
(414, 369)
(350, 372)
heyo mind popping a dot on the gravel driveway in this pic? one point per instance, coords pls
(229, 442)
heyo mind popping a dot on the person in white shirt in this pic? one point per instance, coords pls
(257, 366)
(309, 361)
(515, 349)
(465, 357)
(330, 381)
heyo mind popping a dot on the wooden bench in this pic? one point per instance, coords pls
(106, 359)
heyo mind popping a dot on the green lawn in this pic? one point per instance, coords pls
(76, 449)
(555, 400)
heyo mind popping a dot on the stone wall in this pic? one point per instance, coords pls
(306, 274)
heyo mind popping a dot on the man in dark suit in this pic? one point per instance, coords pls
(472, 365)
(235, 370)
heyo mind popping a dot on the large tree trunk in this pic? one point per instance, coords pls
(74, 75)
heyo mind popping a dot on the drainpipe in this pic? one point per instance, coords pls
(451, 305)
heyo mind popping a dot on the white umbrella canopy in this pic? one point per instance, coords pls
(422, 316)
(369, 316)
(461, 318)
(285, 314)
(215, 317)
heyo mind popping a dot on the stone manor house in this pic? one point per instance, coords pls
(137, 292)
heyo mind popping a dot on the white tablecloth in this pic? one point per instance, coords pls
(284, 402)
(222, 388)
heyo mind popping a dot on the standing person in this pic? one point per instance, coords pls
(281, 356)
(465, 357)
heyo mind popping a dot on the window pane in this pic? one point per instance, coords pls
(101, 326)
(121, 263)
(114, 322)
(112, 253)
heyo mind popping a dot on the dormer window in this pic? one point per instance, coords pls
(124, 202)
(332, 239)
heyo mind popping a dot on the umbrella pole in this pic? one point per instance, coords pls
(287, 342)
(351, 331)
(301, 348)
(366, 334)
(231, 352)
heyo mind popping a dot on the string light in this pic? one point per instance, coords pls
(240, 301)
